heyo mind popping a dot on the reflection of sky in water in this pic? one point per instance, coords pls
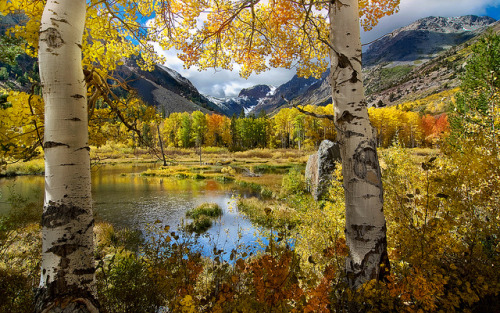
(134, 201)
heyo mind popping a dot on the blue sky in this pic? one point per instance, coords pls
(494, 12)
(225, 83)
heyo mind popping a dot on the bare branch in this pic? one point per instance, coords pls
(39, 137)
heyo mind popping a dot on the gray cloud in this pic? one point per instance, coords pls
(228, 83)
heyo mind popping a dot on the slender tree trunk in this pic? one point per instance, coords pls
(67, 282)
(199, 151)
(161, 145)
(365, 222)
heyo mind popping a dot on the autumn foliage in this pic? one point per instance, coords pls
(408, 128)
(289, 128)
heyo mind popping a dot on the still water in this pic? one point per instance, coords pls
(125, 199)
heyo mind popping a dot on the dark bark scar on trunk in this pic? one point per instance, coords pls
(365, 159)
(379, 249)
(343, 61)
(84, 148)
(350, 133)
(361, 231)
(346, 117)
(56, 215)
(64, 250)
(83, 271)
(53, 37)
(62, 20)
(354, 77)
(53, 144)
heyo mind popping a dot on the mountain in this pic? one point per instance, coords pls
(165, 89)
(285, 93)
(170, 92)
(246, 101)
(438, 74)
(424, 38)
(417, 55)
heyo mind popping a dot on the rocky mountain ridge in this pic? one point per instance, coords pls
(438, 74)
(430, 70)
(246, 101)
(424, 38)
(164, 88)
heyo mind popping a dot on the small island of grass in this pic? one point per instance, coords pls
(202, 217)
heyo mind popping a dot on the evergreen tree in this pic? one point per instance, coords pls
(475, 114)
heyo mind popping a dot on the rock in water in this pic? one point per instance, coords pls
(320, 167)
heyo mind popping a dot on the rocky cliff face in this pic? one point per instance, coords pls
(409, 82)
(255, 92)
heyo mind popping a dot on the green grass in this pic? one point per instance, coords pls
(33, 167)
(206, 209)
(388, 76)
(272, 168)
(266, 213)
(199, 225)
(224, 179)
(257, 188)
(202, 217)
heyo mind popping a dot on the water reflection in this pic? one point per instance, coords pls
(124, 198)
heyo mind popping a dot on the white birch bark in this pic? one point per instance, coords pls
(67, 281)
(365, 222)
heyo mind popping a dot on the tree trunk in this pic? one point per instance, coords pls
(199, 151)
(161, 145)
(67, 282)
(365, 222)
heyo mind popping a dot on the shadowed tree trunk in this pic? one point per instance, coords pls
(160, 141)
(365, 222)
(67, 282)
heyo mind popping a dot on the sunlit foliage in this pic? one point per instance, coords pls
(258, 35)
(112, 31)
(433, 104)
(21, 127)
(407, 128)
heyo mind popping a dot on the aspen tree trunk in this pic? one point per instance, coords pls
(365, 222)
(67, 282)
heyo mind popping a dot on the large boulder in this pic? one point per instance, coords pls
(320, 167)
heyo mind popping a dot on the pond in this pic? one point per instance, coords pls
(124, 198)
